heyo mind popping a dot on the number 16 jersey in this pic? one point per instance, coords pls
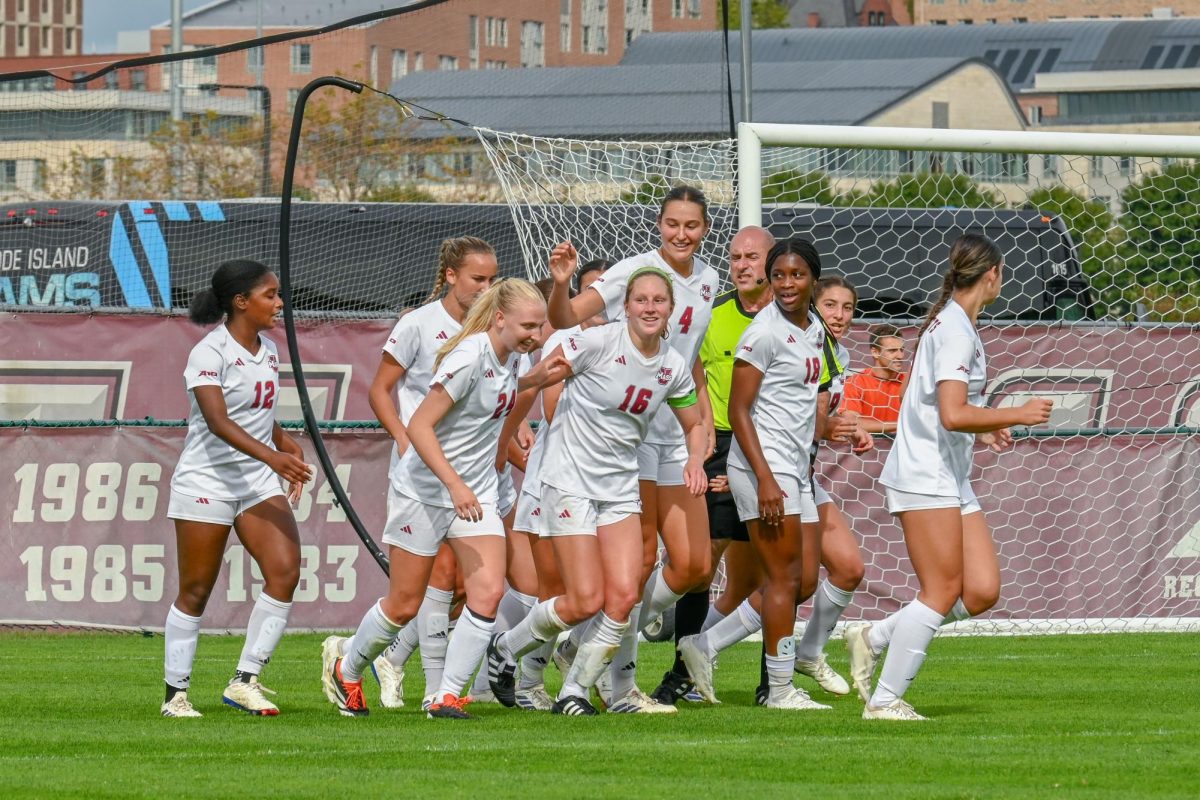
(606, 409)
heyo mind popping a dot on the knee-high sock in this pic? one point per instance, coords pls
(514, 608)
(471, 637)
(373, 636)
(690, 612)
(624, 663)
(595, 651)
(713, 617)
(433, 634)
(743, 622)
(402, 648)
(881, 632)
(268, 620)
(780, 667)
(540, 625)
(533, 665)
(182, 634)
(828, 605)
(656, 597)
(914, 631)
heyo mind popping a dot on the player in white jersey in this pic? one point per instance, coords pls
(775, 416)
(228, 477)
(620, 375)
(466, 268)
(669, 509)
(444, 488)
(927, 476)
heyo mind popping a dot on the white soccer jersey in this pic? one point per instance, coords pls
(531, 483)
(484, 390)
(785, 412)
(926, 458)
(414, 343)
(605, 412)
(208, 467)
(689, 321)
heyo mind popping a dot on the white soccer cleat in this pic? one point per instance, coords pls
(249, 697)
(862, 658)
(898, 711)
(638, 702)
(331, 651)
(823, 674)
(795, 700)
(179, 706)
(534, 698)
(391, 682)
(699, 666)
(602, 689)
(427, 701)
(486, 696)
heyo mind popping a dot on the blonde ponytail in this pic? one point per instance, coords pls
(451, 256)
(504, 295)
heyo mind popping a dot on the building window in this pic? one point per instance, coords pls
(1096, 166)
(137, 80)
(8, 175)
(677, 8)
(473, 32)
(292, 96)
(254, 59)
(21, 35)
(447, 63)
(941, 115)
(70, 6)
(418, 62)
(495, 32)
(111, 81)
(493, 64)
(373, 64)
(69, 43)
(694, 9)
(937, 22)
(302, 58)
(966, 22)
(1035, 115)
(1020, 20)
(533, 53)
(77, 82)
(1128, 166)
(1049, 166)
(46, 38)
(399, 64)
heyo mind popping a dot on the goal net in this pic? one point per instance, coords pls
(1096, 516)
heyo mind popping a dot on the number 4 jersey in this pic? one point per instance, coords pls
(208, 467)
(606, 409)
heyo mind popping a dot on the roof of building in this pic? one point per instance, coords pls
(282, 13)
(833, 13)
(1018, 51)
(667, 100)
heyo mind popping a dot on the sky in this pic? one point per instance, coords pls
(102, 19)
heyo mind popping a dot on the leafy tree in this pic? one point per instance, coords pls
(924, 190)
(763, 14)
(794, 186)
(1161, 249)
(647, 193)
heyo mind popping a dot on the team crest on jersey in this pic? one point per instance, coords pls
(272, 362)
(664, 376)
(706, 292)
(621, 360)
(571, 341)
(441, 336)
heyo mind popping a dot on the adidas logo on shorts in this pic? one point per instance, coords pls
(621, 360)
(564, 514)
(406, 529)
(202, 501)
(537, 512)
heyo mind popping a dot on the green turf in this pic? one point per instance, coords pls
(1065, 716)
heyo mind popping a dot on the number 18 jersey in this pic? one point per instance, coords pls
(605, 412)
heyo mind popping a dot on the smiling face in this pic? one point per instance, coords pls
(648, 305)
(682, 226)
(474, 276)
(748, 259)
(836, 306)
(520, 328)
(263, 305)
(792, 282)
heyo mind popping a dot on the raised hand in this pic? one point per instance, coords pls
(563, 262)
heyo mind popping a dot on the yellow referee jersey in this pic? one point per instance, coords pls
(729, 321)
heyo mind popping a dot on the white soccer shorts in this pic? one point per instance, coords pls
(820, 496)
(420, 528)
(218, 512)
(568, 514)
(529, 514)
(507, 490)
(662, 463)
(966, 502)
(797, 497)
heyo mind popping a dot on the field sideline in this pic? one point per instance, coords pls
(1055, 716)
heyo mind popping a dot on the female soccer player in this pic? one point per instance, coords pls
(466, 268)
(228, 476)
(620, 375)
(773, 409)
(444, 488)
(927, 478)
(669, 509)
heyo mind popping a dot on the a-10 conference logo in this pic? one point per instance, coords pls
(48, 276)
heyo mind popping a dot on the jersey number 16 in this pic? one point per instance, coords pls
(636, 400)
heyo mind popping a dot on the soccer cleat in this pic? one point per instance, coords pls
(898, 710)
(692, 697)
(602, 689)
(823, 674)
(248, 697)
(427, 701)
(450, 707)
(486, 696)
(637, 702)
(501, 673)
(572, 706)
(534, 698)
(760, 695)
(796, 700)
(179, 706)
(862, 658)
(391, 682)
(348, 695)
(699, 667)
(674, 687)
(331, 651)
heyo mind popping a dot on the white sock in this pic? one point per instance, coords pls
(779, 674)
(513, 610)
(743, 622)
(958, 612)
(624, 662)
(533, 665)
(471, 637)
(268, 620)
(540, 625)
(594, 654)
(657, 596)
(433, 634)
(714, 616)
(182, 634)
(373, 636)
(401, 650)
(828, 605)
(881, 632)
(914, 631)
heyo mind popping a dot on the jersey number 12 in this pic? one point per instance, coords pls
(264, 394)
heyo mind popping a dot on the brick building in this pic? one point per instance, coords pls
(40, 27)
(455, 35)
(987, 12)
(68, 67)
(847, 13)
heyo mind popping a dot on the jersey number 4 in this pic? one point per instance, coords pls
(504, 404)
(264, 394)
(636, 400)
(685, 320)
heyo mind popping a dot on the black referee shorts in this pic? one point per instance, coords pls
(723, 522)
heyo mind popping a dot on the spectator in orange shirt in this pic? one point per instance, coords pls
(874, 394)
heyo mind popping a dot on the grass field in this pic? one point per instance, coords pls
(1066, 716)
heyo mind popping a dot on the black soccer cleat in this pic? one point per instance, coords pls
(502, 675)
(674, 687)
(449, 707)
(760, 696)
(572, 706)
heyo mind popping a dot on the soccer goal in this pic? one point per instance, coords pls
(1096, 516)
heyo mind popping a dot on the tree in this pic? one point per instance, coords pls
(1090, 225)
(763, 14)
(1161, 249)
(924, 190)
